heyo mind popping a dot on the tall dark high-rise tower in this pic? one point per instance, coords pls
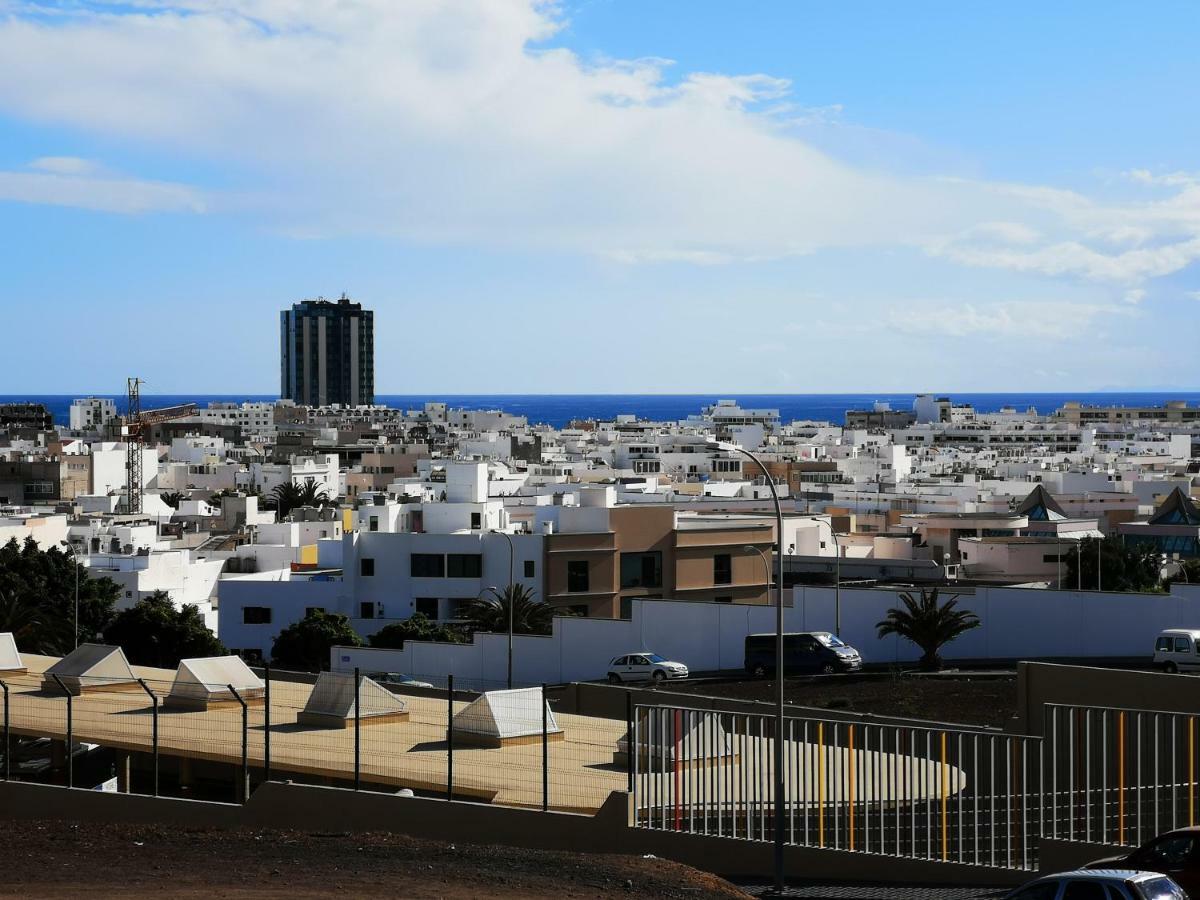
(327, 353)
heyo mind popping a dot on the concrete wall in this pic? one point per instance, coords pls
(290, 806)
(1017, 623)
(1041, 683)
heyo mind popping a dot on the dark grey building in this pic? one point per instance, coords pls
(327, 353)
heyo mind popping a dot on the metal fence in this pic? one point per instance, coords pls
(922, 792)
(1119, 776)
(487, 744)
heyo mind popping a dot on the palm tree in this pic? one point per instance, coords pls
(31, 627)
(928, 625)
(489, 612)
(289, 495)
(171, 498)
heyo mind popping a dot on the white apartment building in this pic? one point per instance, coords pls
(91, 413)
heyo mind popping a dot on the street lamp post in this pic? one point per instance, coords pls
(75, 560)
(779, 717)
(511, 553)
(837, 582)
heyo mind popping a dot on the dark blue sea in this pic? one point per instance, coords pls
(559, 409)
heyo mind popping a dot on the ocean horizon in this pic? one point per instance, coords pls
(557, 410)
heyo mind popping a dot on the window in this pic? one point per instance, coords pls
(1169, 853)
(366, 610)
(1085, 890)
(626, 608)
(1163, 644)
(309, 610)
(464, 565)
(427, 565)
(577, 576)
(529, 568)
(641, 570)
(722, 569)
(476, 521)
(366, 567)
(620, 661)
(374, 523)
(256, 615)
(1045, 891)
(1183, 645)
(724, 598)
(1051, 558)
(428, 607)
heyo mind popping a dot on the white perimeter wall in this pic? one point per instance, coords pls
(1017, 623)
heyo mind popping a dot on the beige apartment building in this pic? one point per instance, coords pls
(1172, 411)
(598, 563)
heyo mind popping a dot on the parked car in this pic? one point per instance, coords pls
(814, 652)
(398, 679)
(1100, 884)
(1175, 853)
(644, 666)
(1177, 650)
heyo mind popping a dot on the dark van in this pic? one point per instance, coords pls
(815, 652)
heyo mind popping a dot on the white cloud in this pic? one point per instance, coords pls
(1047, 320)
(1135, 296)
(68, 181)
(459, 121)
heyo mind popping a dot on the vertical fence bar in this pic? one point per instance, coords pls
(153, 728)
(851, 787)
(944, 785)
(545, 754)
(357, 734)
(633, 745)
(7, 734)
(630, 744)
(266, 723)
(244, 787)
(1191, 770)
(70, 732)
(450, 738)
(1121, 778)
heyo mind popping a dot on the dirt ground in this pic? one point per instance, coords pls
(64, 860)
(958, 699)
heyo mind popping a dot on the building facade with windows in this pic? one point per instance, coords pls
(600, 556)
(327, 353)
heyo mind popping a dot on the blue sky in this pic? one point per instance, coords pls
(603, 196)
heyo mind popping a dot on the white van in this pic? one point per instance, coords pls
(1177, 650)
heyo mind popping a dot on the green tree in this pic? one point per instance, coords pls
(38, 587)
(1122, 568)
(171, 498)
(489, 612)
(1186, 571)
(154, 632)
(289, 495)
(417, 627)
(928, 624)
(305, 645)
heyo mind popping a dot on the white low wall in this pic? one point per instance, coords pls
(1018, 623)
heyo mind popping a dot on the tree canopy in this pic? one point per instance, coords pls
(304, 645)
(417, 627)
(1122, 568)
(928, 624)
(289, 495)
(37, 599)
(490, 611)
(154, 632)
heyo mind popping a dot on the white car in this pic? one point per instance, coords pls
(644, 666)
(1177, 650)
(1100, 884)
(399, 679)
